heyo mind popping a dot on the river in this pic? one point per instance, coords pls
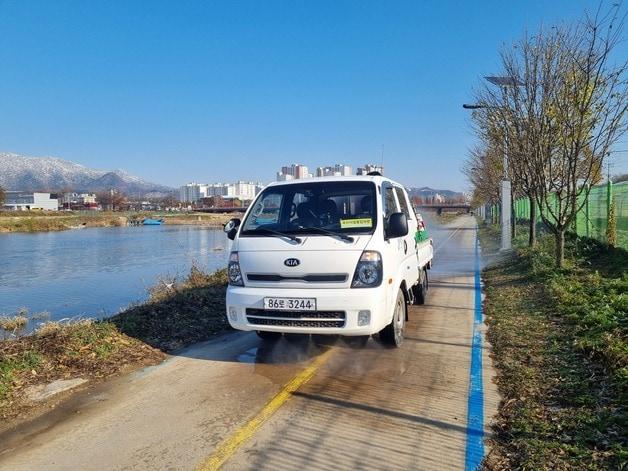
(97, 272)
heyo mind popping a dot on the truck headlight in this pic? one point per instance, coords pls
(233, 270)
(368, 272)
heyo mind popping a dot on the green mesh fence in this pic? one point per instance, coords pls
(620, 197)
(592, 219)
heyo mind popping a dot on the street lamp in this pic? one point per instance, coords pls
(506, 193)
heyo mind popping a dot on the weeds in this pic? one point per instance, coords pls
(560, 346)
(88, 349)
(40, 221)
(186, 311)
(179, 312)
(17, 324)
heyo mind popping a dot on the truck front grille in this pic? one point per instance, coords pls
(320, 278)
(296, 318)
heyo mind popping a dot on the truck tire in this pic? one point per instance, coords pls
(268, 336)
(420, 290)
(392, 334)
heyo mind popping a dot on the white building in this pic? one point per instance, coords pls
(24, 201)
(338, 170)
(368, 168)
(245, 191)
(192, 192)
(282, 177)
(293, 172)
(79, 198)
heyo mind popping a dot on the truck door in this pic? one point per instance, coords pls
(393, 252)
(410, 259)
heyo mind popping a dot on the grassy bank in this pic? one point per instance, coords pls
(178, 313)
(39, 221)
(560, 347)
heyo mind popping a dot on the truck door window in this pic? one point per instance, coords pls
(265, 212)
(390, 206)
(403, 204)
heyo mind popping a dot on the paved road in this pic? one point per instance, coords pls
(237, 402)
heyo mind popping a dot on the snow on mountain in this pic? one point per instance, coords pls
(18, 172)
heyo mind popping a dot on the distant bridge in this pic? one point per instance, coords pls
(219, 210)
(440, 207)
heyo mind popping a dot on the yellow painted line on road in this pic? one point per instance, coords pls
(227, 448)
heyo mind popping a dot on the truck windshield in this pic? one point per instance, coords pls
(340, 207)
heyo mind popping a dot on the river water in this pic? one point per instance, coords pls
(96, 272)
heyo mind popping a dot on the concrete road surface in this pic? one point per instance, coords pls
(238, 403)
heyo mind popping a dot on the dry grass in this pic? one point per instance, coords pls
(13, 324)
(559, 343)
(202, 219)
(39, 221)
(179, 313)
(87, 349)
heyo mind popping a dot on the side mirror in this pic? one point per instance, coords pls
(397, 226)
(231, 228)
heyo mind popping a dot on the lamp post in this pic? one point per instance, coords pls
(506, 191)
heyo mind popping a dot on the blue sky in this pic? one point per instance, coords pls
(175, 91)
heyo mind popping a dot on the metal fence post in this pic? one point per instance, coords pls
(587, 219)
(609, 203)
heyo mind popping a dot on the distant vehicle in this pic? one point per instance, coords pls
(152, 222)
(337, 255)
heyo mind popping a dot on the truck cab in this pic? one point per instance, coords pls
(327, 256)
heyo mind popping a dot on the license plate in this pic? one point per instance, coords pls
(290, 304)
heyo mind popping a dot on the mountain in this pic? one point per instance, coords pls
(427, 192)
(18, 172)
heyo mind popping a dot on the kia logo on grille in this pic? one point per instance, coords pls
(291, 262)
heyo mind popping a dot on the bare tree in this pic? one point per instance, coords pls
(2, 196)
(587, 113)
(483, 169)
(111, 200)
(562, 119)
(532, 64)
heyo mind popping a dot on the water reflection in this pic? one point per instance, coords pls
(96, 272)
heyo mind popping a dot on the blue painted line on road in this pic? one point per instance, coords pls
(475, 405)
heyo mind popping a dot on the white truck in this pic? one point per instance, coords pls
(328, 256)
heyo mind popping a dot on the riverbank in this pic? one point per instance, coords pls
(178, 313)
(39, 221)
(560, 347)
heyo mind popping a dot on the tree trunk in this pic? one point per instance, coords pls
(532, 238)
(560, 248)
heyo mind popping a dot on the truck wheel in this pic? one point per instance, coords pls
(420, 290)
(392, 334)
(268, 336)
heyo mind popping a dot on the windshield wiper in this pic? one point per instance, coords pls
(277, 234)
(330, 233)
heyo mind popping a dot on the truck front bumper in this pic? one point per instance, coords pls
(350, 302)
